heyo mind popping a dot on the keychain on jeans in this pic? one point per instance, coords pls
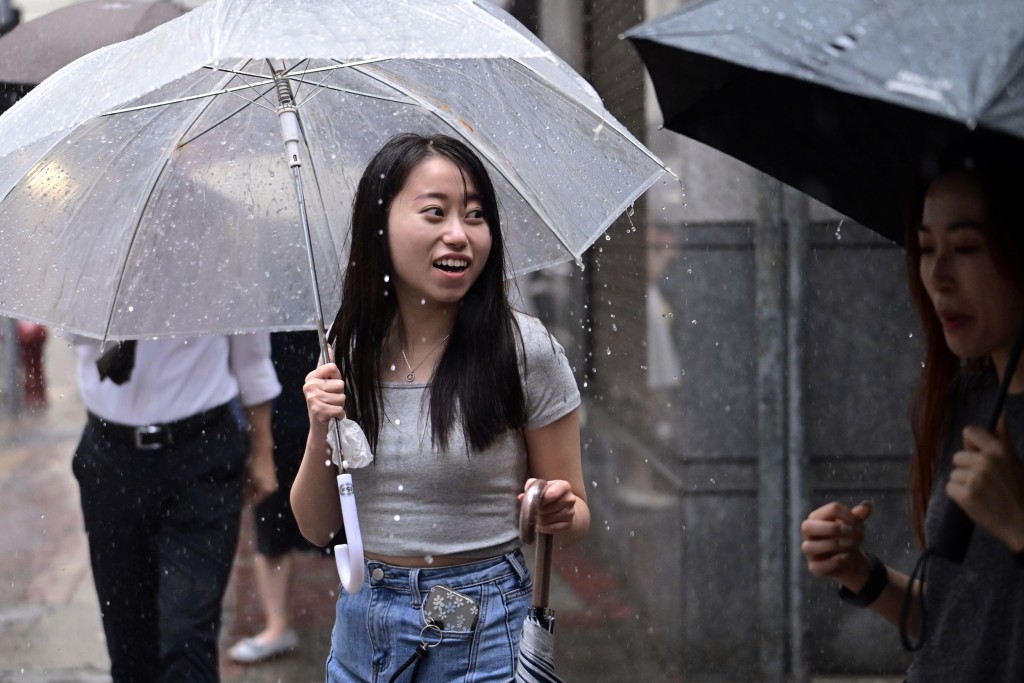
(421, 652)
(443, 609)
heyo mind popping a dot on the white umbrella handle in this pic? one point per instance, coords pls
(349, 555)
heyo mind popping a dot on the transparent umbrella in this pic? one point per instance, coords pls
(185, 190)
(144, 192)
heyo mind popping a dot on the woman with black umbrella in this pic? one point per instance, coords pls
(966, 263)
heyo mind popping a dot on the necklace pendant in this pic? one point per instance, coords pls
(410, 377)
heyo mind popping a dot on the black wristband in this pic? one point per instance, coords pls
(878, 579)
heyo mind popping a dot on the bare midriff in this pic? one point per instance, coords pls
(422, 562)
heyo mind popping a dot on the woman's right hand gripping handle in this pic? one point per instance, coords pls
(325, 401)
(832, 537)
(325, 397)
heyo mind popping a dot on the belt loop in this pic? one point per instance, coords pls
(518, 562)
(414, 585)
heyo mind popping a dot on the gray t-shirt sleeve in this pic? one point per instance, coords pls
(551, 391)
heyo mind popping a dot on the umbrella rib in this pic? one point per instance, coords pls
(288, 72)
(483, 149)
(322, 86)
(128, 252)
(329, 70)
(212, 93)
(226, 118)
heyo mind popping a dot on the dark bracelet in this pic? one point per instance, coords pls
(878, 579)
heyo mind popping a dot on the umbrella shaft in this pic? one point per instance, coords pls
(542, 571)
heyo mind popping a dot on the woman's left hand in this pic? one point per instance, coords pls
(987, 481)
(557, 506)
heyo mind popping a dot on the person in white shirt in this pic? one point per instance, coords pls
(162, 466)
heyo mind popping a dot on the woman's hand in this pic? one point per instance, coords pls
(325, 394)
(832, 537)
(557, 506)
(987, 481)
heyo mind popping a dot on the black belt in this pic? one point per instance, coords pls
(157, 436)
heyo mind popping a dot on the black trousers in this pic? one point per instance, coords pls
(163, 529)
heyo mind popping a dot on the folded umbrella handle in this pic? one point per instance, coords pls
(349, 555)
(530, 509)
(528, 532)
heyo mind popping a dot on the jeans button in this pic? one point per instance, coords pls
(377, 574)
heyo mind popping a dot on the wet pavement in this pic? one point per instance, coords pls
(50, 629)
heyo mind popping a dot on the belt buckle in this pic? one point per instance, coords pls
(148, 430)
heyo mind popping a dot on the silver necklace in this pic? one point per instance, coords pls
(411, 377)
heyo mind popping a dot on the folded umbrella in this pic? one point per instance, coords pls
(536, 661)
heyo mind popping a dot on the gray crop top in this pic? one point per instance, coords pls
(416, 502)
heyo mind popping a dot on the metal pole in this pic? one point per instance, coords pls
(795, 210)
(769, 266)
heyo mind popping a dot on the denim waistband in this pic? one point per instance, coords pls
(418, 581)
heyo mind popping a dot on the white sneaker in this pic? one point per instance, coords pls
(252, 650)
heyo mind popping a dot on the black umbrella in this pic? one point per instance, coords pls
(36, 49)
(536, 660)
(846, 100)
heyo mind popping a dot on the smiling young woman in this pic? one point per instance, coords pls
(965, 260)
(463, 401)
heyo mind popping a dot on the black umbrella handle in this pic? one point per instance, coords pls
(955, 527)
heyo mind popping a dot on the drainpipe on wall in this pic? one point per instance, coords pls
(770, 284)
(795, 211)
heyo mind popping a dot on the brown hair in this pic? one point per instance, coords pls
(1002, 191)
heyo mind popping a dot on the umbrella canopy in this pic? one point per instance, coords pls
(36, 49)
(145, 192)
(850, 101)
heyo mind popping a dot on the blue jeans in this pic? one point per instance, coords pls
(377, 629)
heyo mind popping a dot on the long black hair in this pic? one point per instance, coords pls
(477, 381)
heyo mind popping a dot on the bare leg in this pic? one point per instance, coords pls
(273, 581)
